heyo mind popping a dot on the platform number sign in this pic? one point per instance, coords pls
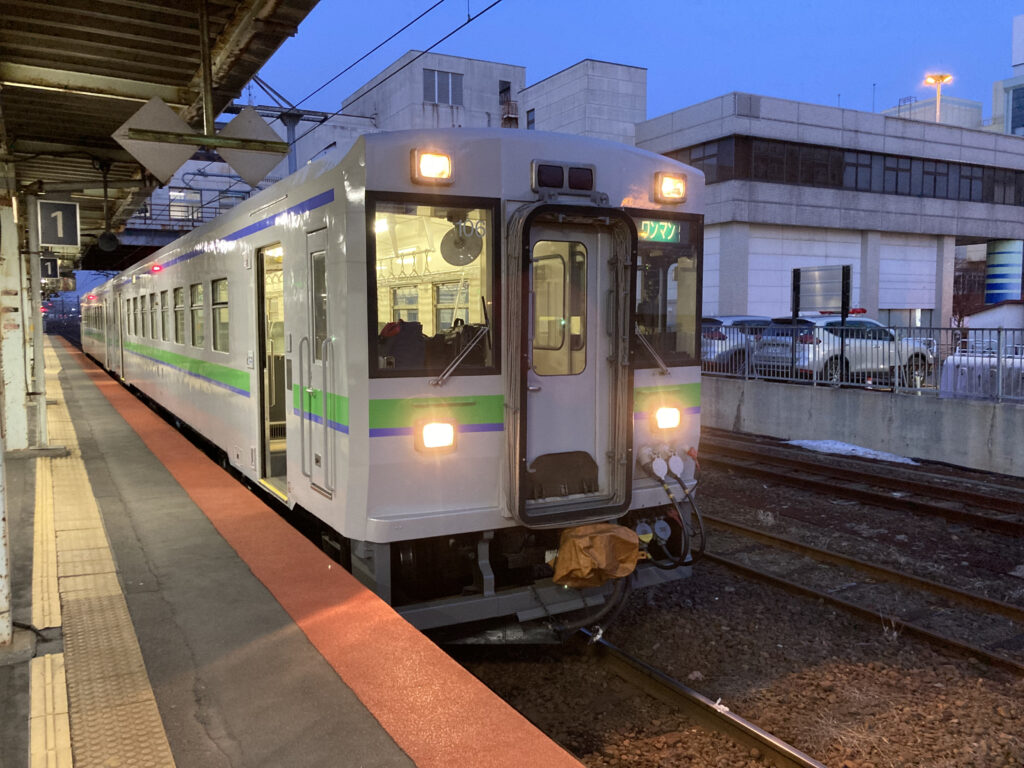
(58, 223)
(49, 268)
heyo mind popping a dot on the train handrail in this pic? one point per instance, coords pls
(302, 407)
(327, 371)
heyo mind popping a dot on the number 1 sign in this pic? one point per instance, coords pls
(58, 223)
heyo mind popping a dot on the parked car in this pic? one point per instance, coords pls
(727, 341)
(823, 347)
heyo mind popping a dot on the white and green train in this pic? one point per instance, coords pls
(447, 346)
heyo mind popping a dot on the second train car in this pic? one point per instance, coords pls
(448, 347)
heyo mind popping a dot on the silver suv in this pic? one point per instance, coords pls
(727, 341)
(825, 348)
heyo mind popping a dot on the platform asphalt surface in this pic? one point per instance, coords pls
(259, 650)
(237, 683)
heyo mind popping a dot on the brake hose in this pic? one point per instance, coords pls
(676, 470)
(659, 475)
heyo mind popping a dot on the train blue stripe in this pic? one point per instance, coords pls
(317, 419)
(306, 205)
(399, 431)
(193, 374)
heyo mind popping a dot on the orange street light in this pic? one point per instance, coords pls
(938, 80)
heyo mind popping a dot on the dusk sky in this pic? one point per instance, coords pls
(820, 52)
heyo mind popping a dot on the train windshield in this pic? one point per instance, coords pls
(434, 270)
(668, 289)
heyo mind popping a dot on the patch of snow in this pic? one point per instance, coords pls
(845, 449)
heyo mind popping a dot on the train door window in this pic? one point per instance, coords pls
(198, 316)
(165, 312)
(221, 327)
(433, 266)
(318, 267)
(179, 315)
(559, 308)
(451, 304)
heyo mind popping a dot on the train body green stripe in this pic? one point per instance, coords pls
(404, 412)
(337, 405)
(231, 377)
(683, 395)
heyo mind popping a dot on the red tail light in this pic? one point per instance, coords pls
(808, 338)
(714, 336)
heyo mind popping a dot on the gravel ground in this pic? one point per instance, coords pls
(852, 694)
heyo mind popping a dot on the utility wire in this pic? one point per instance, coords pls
(368, 53)
(422, 53)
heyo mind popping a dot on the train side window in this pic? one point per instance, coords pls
(434, 270)
(179, 315)
(165, 312)
(198, 315)
(135, 316)
(221, 327)
(152, 316)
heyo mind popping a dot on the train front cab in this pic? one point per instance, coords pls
(551, 439)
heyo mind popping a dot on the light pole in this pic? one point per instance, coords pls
(938, 80)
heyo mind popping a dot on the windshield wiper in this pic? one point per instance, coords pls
(652, 352)
(482, 331)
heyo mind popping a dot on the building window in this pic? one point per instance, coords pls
(198, 324)
(179, 315)
(219, 300)
(185, 204)
(530, 120)
(1017, 112)
(442, 87)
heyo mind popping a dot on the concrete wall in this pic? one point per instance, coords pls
(968, 433)
(398, 103)
(591, 98)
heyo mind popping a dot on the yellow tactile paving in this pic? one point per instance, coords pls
(45, 594)
(95, 701)
(49, 732)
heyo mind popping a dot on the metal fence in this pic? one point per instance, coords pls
(978, 363)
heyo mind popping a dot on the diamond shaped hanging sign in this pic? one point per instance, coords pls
(253, 166)
(160, 159)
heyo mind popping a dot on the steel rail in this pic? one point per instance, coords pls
(708, 713)
(991, 496)
(1009, 610)
(819, 479)
(872, 614)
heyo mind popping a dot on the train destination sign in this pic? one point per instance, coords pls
(654, 231)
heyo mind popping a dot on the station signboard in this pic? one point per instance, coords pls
(58, 223)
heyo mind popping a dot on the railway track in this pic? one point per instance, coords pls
(709, 714)
(978, 504)
(905, 604)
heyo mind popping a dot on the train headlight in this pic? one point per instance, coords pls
(667, 417)
(669, 187)
(435, 436)
(431, 167)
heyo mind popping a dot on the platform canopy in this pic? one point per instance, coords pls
(72, 71)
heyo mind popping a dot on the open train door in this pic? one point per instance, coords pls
(575, 388)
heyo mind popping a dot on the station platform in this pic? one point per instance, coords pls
(177, 620)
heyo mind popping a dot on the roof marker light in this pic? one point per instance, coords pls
(431, 167)
(156, 268)
(669, 187)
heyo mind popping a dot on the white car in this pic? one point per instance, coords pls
(727, 341)
(825, 348)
